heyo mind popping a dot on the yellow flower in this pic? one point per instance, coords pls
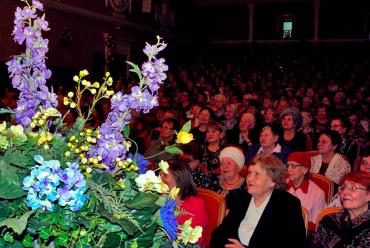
(174, 192)
(72, 105)
(163, 165)
(3, 126)
(107, 74)
(76, 78)
(46, 147)
(93, 91)
(84, 73)
(67, 154)
(83, 232)
(96, 85)
(70, 94)
(88, 170)
(184, 137)
(84, 160)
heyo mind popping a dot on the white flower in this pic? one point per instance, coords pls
(150, 182)
(163, 165)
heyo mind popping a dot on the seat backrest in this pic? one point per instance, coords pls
(325, 212)
(325, 184)
(305, 218)
(215, 207)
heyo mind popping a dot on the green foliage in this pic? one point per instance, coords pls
(173, 150)
(17, 224)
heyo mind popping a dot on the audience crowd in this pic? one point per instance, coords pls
(273, 112)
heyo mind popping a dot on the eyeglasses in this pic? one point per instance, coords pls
(351, 188)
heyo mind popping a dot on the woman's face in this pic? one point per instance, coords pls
(204, 117)
(296, 172)
(213, 135)
(258, 181)
(268, 116)
(168, 179)
(229, 168)
(247, 122)
(267, 138)
(338, 126)
(306, 118)
(325, 145)
(365, 164)
(354, 196)
(229, 113)
(287, 122)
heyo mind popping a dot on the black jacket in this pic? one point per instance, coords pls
(281, 223)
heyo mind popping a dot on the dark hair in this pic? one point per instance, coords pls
(212, 114)
(343, 120)
(184, 180)
(192, 148)
(334, 137)
(175, 123)
(276, 129)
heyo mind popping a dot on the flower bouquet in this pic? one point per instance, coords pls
(81, 187)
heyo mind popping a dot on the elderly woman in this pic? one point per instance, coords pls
(269, 143)
(328, 162)
(264, 216)
(291, 121)
(351, 226)
(312, 197)
(231, 183)
(188, 203)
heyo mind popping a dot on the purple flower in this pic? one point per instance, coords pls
(28, 70)
(169, 222)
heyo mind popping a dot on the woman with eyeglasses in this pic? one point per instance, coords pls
(351, 226)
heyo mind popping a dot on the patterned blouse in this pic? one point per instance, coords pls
(208, 176)
(339, 231)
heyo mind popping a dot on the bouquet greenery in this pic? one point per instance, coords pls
(81, 187)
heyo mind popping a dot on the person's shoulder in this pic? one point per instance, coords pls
(284, 198)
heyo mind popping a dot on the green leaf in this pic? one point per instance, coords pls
(62, 240)
(127, 130)
(173, 150)
(6, 111)
(186, 127)
(134, 244)
(113, 240)
(27, 241)
(8, 238)
(109, 227)
(17, 224)
(45, 232)
(135, 69)
(143, 200)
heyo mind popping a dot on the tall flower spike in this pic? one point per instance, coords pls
(28, 70)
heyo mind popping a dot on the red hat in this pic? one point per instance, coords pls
(300, 158)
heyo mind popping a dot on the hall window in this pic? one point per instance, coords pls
(287, 29)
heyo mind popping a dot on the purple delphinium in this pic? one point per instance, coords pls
(142, 98)
(28, 70)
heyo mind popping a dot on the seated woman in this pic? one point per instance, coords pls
(351, 226)
(188, 203)
(328, 162)
(209, 174)
(269, 143)
(265, 215)
(231, 161)
(312, 197)
(291, 121)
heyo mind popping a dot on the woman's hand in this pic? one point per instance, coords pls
(234, 244)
